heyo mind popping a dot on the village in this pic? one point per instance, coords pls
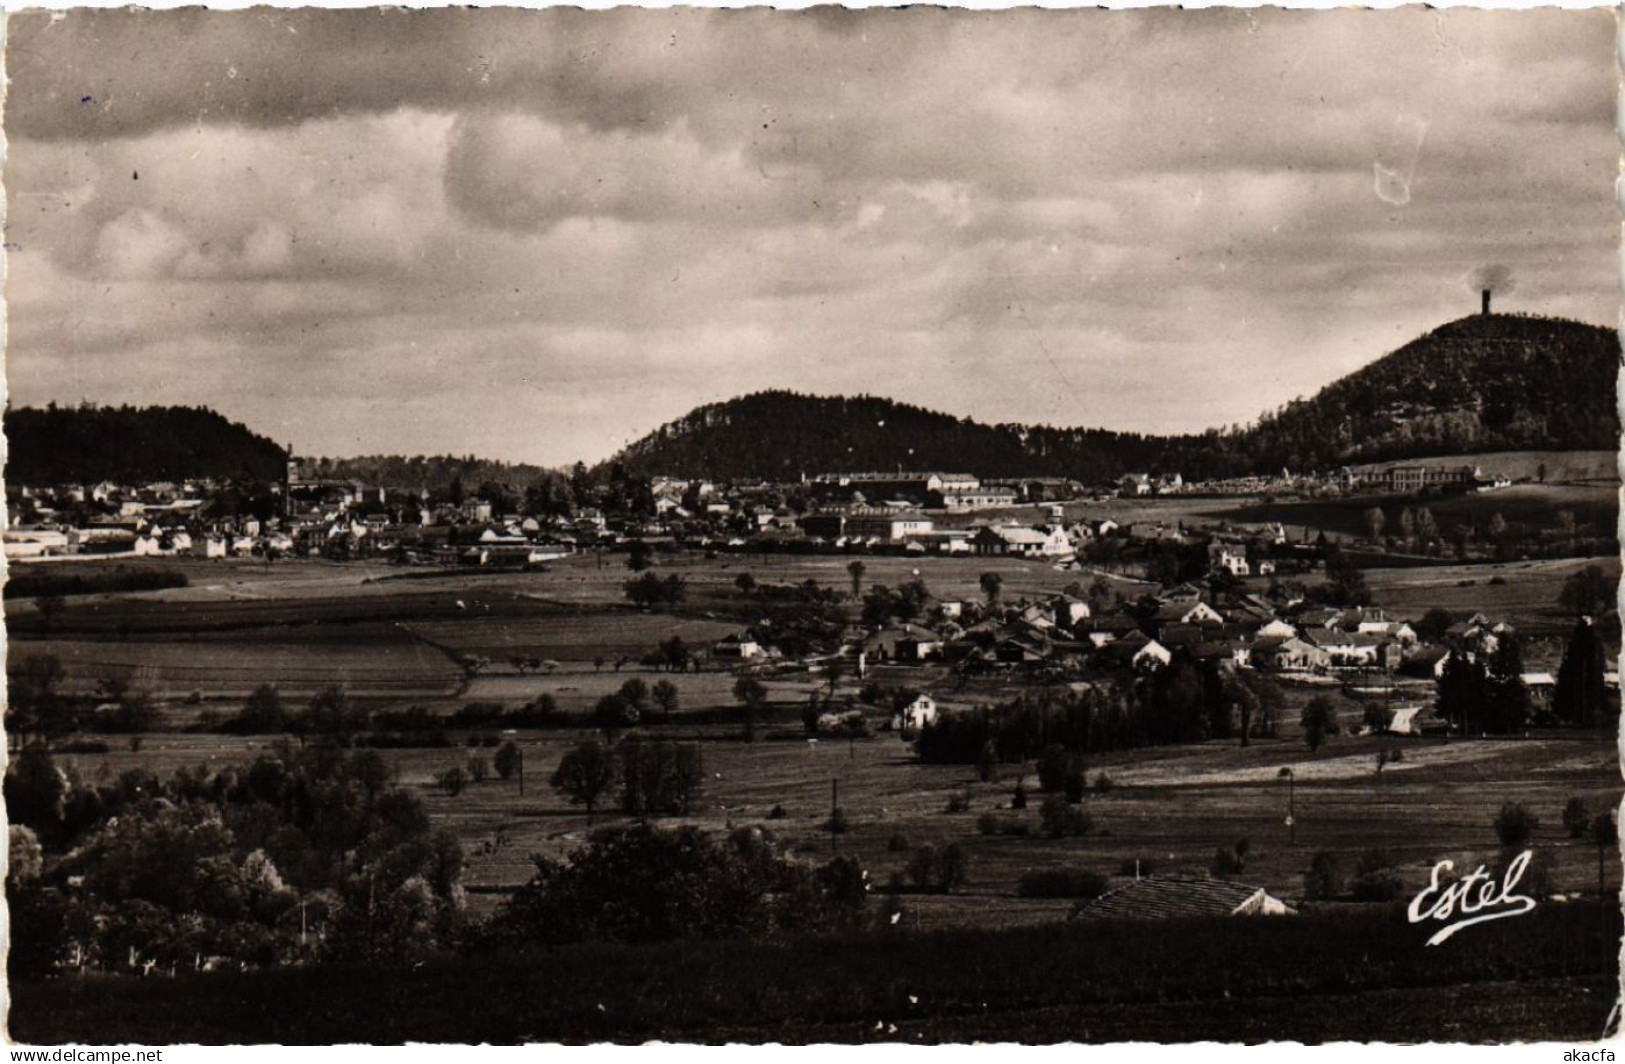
(307, 515)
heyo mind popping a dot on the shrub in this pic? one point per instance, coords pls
(937, 870)
(1229, 861)
(1061, 819)
(1514, 825)
(1018, 800)
(507, 760)
(1324, 879)
(836, 824)
(987, 763)
(452, 780)
(81, 746)
(777, 813)
(1063, 883)
(993, 824)
(898, 842)
(1103, 784)
(958, 802)
(1374, 879)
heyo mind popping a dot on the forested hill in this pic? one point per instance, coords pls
(1484, 383)
(133, 445)
(1489, 382)
(780, 435)
(419, 473)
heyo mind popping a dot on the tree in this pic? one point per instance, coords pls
(1540, 472)
(35, 703)
(1566, 525)
(1433, 625)
(992, 585)
(612, 713)
(660, 776)
(1581, 697)
(1319, 721)
(1463, 689)
(987, 763)
(635, 693)
(1427, 527)
(1345, 582)
(36, 791)
(834, 669)
(938, 870)
(675, 652)
(666, 696)
(263, 714)
(638, 555)
(1587, 593)
(1604, 834)
(1059, 818)
(1514, 826)
(478, 769)
(746, 583)
(649, 590)
(507, 760)
(1576, 821)
(1498, 526)
(1407, 525)
(332, 713)
(1507, 702)
(855, 569)
(452, 780)
(1374, 520)
(752, 697)
(585, 774)
(1244, 702)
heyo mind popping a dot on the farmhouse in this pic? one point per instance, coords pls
(737, 648)
(1287, 654)
(916, 715)
(1176, 898)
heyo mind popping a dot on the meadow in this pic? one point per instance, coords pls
(395, 643)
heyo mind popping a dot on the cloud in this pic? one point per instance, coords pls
(535, 234)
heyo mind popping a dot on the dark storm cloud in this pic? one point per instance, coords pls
(538, 233)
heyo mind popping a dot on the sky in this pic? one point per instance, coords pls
(537, 235)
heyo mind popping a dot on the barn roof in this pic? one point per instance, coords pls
(1173, 898)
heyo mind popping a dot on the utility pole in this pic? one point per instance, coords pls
(834, 808)
(1291, 821)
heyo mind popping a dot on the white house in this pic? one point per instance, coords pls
(1151, 656)
(740, 648)
(917, 714)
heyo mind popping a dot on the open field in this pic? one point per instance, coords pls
(1170, 807)
(1528, 595)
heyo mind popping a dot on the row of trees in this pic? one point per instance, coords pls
(653, 776)
(1179, 704)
